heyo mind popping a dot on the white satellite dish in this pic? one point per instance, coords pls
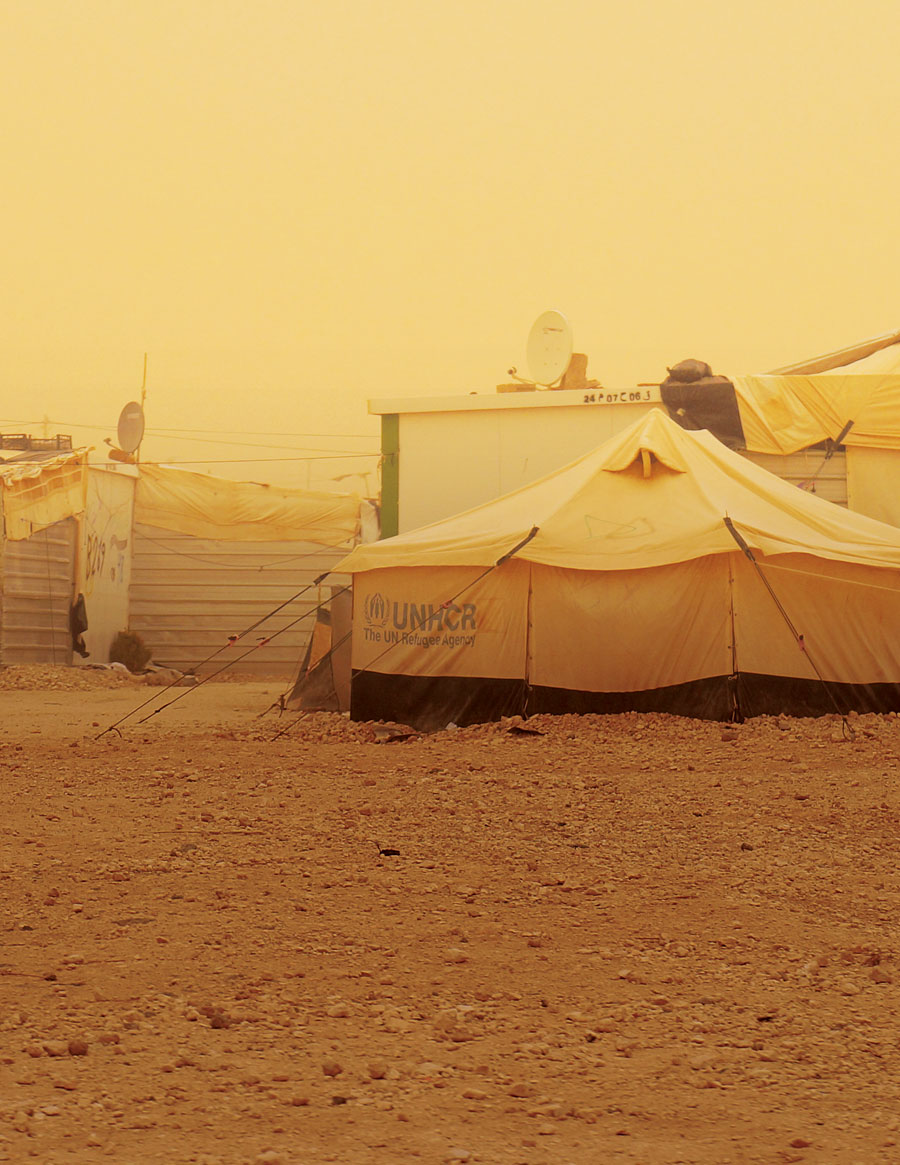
(131, 427)
(549, 348)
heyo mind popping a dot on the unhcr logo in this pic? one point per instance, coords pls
(375, 610)
(419, 624)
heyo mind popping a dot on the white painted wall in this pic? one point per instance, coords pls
(457, 453)
(106, 553)
(874, 482)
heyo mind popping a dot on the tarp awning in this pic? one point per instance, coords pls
(782, 414)
(242, 511)
(816, 400)
(37, 494)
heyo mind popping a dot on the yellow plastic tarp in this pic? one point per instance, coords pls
(782, 414)
(806, 403)
(37, 494)
(242, 511)
(654, 495)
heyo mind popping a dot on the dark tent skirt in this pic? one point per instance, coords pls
(430, 703)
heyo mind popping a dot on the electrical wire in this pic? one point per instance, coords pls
(180, 436)
(245, 444)
(304, 453)
(259, 433)
(194, 434)
(260, 460)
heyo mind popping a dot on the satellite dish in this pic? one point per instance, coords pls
(549, 348)
(131, 427)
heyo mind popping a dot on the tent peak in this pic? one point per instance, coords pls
(649, 461)
(652, 445)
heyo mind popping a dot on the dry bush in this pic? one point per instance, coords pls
(129, 648)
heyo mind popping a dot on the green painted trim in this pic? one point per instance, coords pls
(390, 475)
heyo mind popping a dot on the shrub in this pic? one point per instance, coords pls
(129, 648)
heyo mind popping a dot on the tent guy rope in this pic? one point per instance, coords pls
(231, 641)
(262, 643)
(520, 545)
(798, 637)
(810, 482)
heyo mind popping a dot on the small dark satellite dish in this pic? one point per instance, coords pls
(131, 427)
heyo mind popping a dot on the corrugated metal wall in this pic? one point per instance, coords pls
(189, 594)
(37, 581)
(828, 478)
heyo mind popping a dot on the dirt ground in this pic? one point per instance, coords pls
(628, 939)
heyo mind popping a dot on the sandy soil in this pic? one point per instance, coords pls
(628, 939)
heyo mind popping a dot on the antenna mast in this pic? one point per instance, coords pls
(137, 452)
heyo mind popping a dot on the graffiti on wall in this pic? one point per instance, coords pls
(104, 559)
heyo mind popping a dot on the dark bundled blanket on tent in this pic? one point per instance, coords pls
(696, 399)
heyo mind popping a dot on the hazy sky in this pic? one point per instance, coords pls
(293, 207)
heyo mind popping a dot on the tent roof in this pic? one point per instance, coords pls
(652, 495)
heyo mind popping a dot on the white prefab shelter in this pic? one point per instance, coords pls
(659, 572)
(106, 548)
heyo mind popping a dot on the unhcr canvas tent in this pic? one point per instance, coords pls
(659, 572)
